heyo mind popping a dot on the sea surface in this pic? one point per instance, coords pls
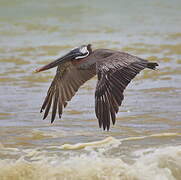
(145, 142)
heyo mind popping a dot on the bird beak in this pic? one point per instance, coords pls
(69, 56)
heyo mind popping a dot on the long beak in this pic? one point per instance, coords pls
(69, 56)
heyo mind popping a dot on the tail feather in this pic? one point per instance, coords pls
(152, 65)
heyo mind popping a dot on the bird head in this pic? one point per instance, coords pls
(76, 53)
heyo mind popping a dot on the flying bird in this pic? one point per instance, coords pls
(114, 70)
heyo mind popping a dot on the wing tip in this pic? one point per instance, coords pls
(152, 65)
(52, 120)
(105, 127)
(44, 117)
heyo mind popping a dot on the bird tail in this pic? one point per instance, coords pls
(152, 65)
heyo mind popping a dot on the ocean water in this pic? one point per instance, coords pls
(145, 142)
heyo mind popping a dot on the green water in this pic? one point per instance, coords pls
(34, 33)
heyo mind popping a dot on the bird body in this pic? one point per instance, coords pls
(114, 70)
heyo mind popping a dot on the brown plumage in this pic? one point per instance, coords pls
(114, 69)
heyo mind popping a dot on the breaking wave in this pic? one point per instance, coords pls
(93, 161)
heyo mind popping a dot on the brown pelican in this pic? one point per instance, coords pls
(114, 70)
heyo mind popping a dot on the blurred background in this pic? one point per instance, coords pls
(147, 132)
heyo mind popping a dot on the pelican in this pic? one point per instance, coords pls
(114, 70)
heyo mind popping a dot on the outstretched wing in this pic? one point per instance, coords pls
(65, 84)
(114, 73)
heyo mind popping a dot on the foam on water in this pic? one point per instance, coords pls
(107, 141)
(112, 140)
(162, 163)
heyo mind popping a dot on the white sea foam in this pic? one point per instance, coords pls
(163, 163)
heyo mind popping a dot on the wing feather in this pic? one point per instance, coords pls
(55, 103)
(115, 72)
(66, 83)
(48, 105)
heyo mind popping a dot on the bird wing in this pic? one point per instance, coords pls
(65, 84)
(114, 73)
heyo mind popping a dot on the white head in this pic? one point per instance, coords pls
(84, 51)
